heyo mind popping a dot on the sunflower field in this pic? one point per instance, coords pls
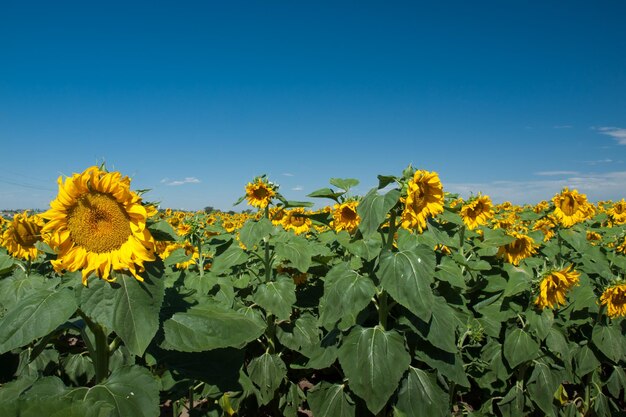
(407, 301)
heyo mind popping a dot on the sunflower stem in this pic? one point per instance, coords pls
(462, 240)
(99, 352)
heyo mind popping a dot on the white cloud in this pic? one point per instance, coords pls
(617, 133)
(599, 161)
(555, 173)
(297, 188)
(187, 180)
(288, 174)
(597, 186)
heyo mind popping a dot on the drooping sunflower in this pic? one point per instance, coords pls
(345, 216)
(21, 235)
(571, 207)
(296, 220)
(593, 237)
(614, 298)
(260, 192)
(98, 225)
(424, 199)
(546, 226)
(554, 285)
(522, 247)
(477, 212)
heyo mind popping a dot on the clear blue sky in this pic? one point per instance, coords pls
(192, 99)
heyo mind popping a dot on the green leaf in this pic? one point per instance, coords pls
(254, 231)
(442, 326)
(615, 384)
(137, 306)
(232, 256)
(330, 400)
(267, 372)
(35, 316)
(163, 231)
(177, 256)
(277, 297)
(520, 279)
(374, 360)
(585, 361)
(344, 183)
(540, 322)
(346, 294)
(519, 347)
(373, 209)
(6, 263)
(557, 344)
(512, 405)
(297, 250)
(326, 193)
(406, 276)
(609, 340)
(132, 391)
(419, 395)
(302, 335)
(79, 368)
(205, 327)
(451, 272)
(496, 237)
(542, 385)
(447, 364)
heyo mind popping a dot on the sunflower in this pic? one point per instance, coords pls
(276, 215)
(553, 287)
(477, 212)
(424, 199)
(546, 225)
(260, 193)
(21, 235)
(614, 298)
(296, 220)
(571, 207)
(345, 216)
(618, 212)
(97, 225)
(621, 248)
(593, 237)
(165, 249)
(522, 247)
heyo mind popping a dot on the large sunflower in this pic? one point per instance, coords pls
(554, 285)
(571, 207)
(260, 193)
(345, 216)
(21, 235)
(522, 247)
(614, 298)
(618, 212)
(424, 199)
(97, 225)
(477, 212)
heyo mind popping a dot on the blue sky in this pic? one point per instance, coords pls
(192, 99)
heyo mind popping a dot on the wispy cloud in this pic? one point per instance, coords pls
(598, 161)
(297, 188)
(187, 180)
(288, 174)
(597, 186)
(555, 173)
(617, 133)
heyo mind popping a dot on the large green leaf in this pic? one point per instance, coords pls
(374, 360)
(6, 263)
(419, 395)
(267, 372)
(330, 400)
(442, 326)
(302, 335)
(373, 209)
(253, 231)
(35, 316)
(232, 256)
(512, 405)
(297, 250)
(344, 183)
(162, 230)
(205, 327)
(131, 391)
(496, 237)
(407, 275)
(519, 347)
(277, 297)
(610, 341)
(542, 385)
(586, 361)
(346, 294)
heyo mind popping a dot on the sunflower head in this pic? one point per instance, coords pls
(554, 285)
(21, 235)
(345, 216)
(546, 226)
(571, 207)
(260, 192)
(522, 247)
(424, 198)
(98, 225)
(477, 211)
(296, 220)
(614, 298)
(618, 212)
